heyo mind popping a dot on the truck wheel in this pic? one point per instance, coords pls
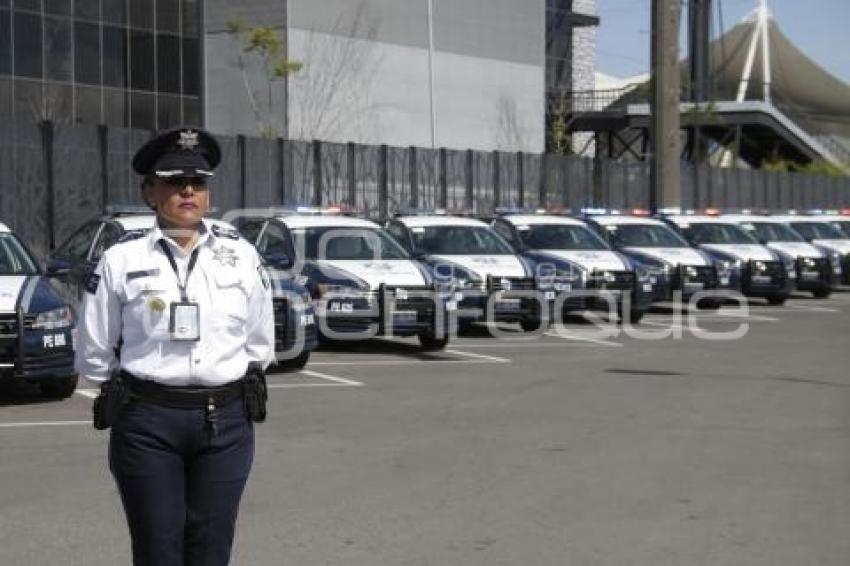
(531, 324)
(296, 363)
(776, 300)
(430, 343)
(822, 293)
(59, 388)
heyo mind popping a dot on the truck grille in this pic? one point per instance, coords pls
(613, 280)
(706, 275)
(8, 325)
(495, 283)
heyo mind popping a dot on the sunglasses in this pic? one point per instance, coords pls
(198, 182)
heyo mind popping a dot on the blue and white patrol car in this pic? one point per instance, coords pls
(577, 259)
(71, 264)
(818, 231)
(813, 269)
(674, 266)
(753, 269)
(36, 325)
(363, 283)
(481, 269)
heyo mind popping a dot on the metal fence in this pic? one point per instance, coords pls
(55, 177)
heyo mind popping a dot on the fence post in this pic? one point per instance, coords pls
(103, 149)
(47, 135)
(281, 169)
(383, 181)
(243, 171)
(444, 178)
(413, 174)
(497, 182)
(470, 180)
(520, 178)
(544, 173)
(317, 173)
(351, 160)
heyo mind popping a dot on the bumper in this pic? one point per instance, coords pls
(814, 274)
(765, 279)
(685, 279)
(34, 355)
(294, 326)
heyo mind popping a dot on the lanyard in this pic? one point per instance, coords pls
(192, 259)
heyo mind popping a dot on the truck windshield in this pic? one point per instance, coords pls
(14, 259)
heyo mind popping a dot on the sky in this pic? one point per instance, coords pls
(819, 28)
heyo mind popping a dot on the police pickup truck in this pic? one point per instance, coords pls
(818, 231)
(752, 269)
(813, 269)
(363, 283)
(674, 266)
(489, 282)
(577, 259)
(36, 325)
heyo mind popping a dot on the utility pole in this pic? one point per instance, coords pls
(665, 172)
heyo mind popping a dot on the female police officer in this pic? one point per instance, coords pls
(177, 315)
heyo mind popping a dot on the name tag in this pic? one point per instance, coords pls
(185, 323)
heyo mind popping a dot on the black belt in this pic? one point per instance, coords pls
(185, 396)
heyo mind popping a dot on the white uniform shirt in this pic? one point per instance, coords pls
(129, 297)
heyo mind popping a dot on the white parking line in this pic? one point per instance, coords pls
(480, 356)
(332, 378)
(571, 336)
(661, 325)
(45, 423)
(88, 393)
(793, 308)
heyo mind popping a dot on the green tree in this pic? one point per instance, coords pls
(263, 47)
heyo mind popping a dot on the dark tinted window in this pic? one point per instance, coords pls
(719, 233)
(843, 225)
(115, 56)
(460, 240)
(168, 63)
(58, 7)
(141, 14)
(274, 241)
(817, 230)
(168, 112)
(32, 5)
(337, 243)
(14, 259)
(57, 46)
(87, 9)
(108, 236)
(28, 45)
(191, 67)
(5, 43)
(560, 237)
(250, 229)
(191, 17)
(168, 15)
(142, 111)
(772, 232)
(87, 53)
(115, 11)
(77, 246)
(141, 60)
(644, 236)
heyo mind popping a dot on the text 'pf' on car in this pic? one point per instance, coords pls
(813, 269)
(488, 280)
(753, 269)
(821, 233)
(363, 283)
(36, 325)
(586, 272)
(71, 264)
(674, 266)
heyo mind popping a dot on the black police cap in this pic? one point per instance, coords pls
(184, 152)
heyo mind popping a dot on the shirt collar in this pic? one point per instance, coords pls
(156, 234)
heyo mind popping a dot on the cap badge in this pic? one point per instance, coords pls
(188, 140)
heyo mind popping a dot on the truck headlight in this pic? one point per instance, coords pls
(835, 259)
(54, 319)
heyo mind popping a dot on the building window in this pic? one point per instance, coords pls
(58, 7)
(115, 12)
(141, 14)
(5, 43)
(58, 64)
(168, 15)
(87, 10)
(168, 63)
(142, 60)
(87, 53)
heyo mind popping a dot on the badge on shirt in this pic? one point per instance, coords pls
(185, 323)
(225, 256)
(156, 304)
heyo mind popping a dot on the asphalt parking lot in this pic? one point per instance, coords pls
(569, 448)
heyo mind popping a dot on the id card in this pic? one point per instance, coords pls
(185, 323)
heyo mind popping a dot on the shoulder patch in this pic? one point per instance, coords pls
(92, 281)
(131, 235)
(264, 276)
(220, 232)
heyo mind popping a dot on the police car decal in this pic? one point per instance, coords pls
(741, 251)
(588, 259)
(393, 272)
(671, 256)
(484, 265)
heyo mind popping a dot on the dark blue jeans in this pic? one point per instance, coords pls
(179, 483)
